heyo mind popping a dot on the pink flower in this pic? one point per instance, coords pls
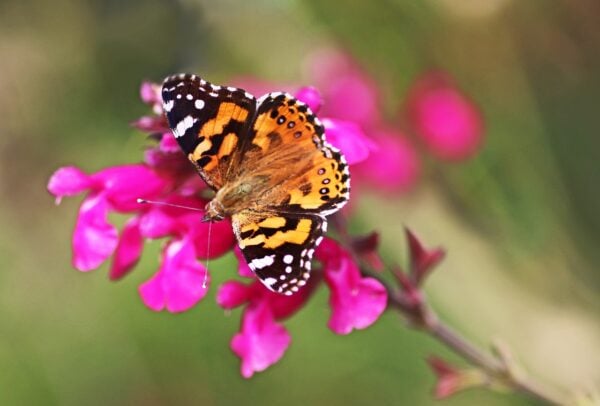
(117, 188)
(448, 378)
(449, 123)
(181, 280)
(451, 380)
(356, 301)
(163, 221)
(94, 239)
(179, 284)
(128, 250)
(68, 181)
(394, 166)
(353, 123)
(348, 93)
(311, 96)
(262, 342)
(350, 139)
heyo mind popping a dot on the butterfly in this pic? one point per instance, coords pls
(272, 170)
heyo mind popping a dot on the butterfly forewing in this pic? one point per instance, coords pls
(208, 122)
(288, 146)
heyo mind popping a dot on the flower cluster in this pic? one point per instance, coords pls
(436, 112)
(384, 158)
(181, 281)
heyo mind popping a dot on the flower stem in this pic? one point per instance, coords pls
(422, 316)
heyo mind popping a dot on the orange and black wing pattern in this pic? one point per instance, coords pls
(208, 122)
(279, 247)
(287, 145)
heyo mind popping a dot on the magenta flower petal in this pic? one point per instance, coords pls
(168, 143)
(449, 123)
(124, 184)
(150, 93)
(68, 181)
(311, 97)
(262, 342)
(177, 286)
(352, 97)
(151, 124)
(350, 139)
(221, 236)
(356, 302)
(156, 223)
(128, 250)
(354, 305)
(94, 239)
(394, 166)
(233, 294)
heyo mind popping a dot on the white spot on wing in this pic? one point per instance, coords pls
(199, 104)
(288, 259)
(270, 281)
(260, 263)
(183, 126)
(169, 105)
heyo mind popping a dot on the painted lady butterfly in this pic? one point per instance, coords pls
(272, 170)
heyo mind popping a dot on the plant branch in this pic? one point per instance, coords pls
(461, 346)
(415, 308)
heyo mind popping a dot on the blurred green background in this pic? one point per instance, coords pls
(520, 221)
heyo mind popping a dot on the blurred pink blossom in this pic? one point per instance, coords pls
(350, 98)
(311, 96)
(348, 92)
(394, 167)
(448, 122)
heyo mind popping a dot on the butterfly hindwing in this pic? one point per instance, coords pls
(279, 248)
(208, 122)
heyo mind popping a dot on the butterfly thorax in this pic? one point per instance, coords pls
(234, 198)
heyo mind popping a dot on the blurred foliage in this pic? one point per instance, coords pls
(69, 79)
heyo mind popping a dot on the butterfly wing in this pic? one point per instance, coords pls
(209, 123)
(287, 145)
(279, 248)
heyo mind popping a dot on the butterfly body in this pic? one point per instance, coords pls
(274, 174)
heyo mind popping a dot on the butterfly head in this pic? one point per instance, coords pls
(214, 211)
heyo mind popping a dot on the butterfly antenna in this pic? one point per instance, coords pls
(144, 201)
(207, 256)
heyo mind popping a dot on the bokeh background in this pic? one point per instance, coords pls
(520, 219)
